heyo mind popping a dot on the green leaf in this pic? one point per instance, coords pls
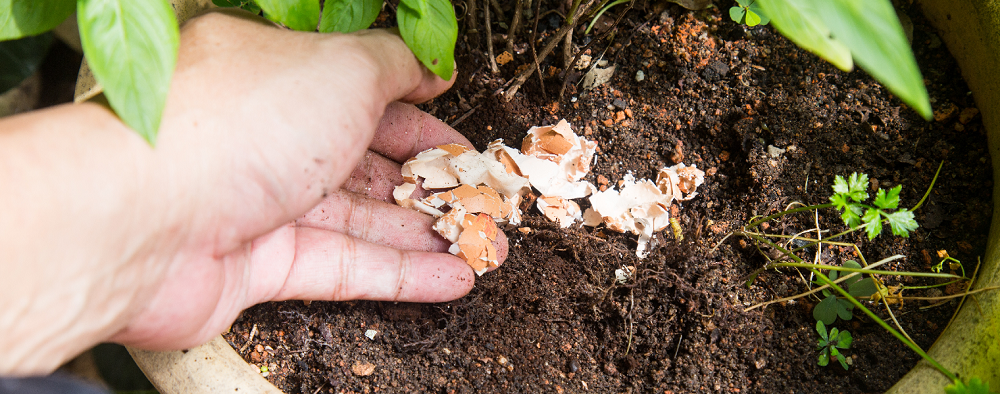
(853, 279)
(821, 329)
(858, 186)
(826, 310)
(844, 340)
(22, 18)
(975, 386)
(757, 10)
(302, 15)
(843, 361)
(871, 29)
(736, 14)
(824, 358)
(131, 47)
(430, 29)
(745, 3)
(852, 216)
(864, 288)
(874, 220)
(844, 309)
(19, 59)
(801, 22)
(888, 200)
(752, 19)
(247, 5)
(902, 222)
(345, 16)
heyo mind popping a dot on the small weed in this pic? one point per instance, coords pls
(749, 13)
(844, 286)
(849, 196)
(831, 344)
(832, 307)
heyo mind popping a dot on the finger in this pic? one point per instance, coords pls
(383, 223)
(405, 131)
(335, 267)
(404, 77)
(375, 177)
(375, 221)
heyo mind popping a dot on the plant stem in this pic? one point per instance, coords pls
(885, 325)
(864, 271)
(790, 211)
(928, 192)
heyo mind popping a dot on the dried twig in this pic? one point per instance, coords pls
(565, 73)
(253, 331)
(499, 16)
(489, 41)
(471, 25)
(571, 21)
(464, 116)
(514, 25)
(534, 55)
(524, 75)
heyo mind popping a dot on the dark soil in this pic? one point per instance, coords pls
(715, 94)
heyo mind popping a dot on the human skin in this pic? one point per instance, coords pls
(270, 180)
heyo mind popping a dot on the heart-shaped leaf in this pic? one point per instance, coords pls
(345, 16)
(131, 47)
(302, 15)
(430, 29)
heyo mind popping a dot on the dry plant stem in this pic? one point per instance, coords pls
(489, 41)
(979, 262)
(567, 50)
(896, 322)
(788, 212)
(886, 326)
(863, 270)
(571, 21)
(514, 25)
(818, 289)
(524, 75)
(534, 55)
(472, 24)
(499, 16)
(947, 297)
(565, 72)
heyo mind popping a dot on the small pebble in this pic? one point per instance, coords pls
(572, 99)
(371, 334)
(640, 76)
(621, 104)
(574, 365)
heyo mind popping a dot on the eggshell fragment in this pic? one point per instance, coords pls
(560, 145)
(642, 207)
(560, 210)
(680, 181)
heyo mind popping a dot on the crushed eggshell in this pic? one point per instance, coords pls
(642, 207)
(560, 145)
(483, 189)
(561, 210)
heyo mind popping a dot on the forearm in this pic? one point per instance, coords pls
(77, 189)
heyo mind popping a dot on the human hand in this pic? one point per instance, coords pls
(271, 180)
(296, 139)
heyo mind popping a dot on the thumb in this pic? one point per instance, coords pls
(404, 77)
